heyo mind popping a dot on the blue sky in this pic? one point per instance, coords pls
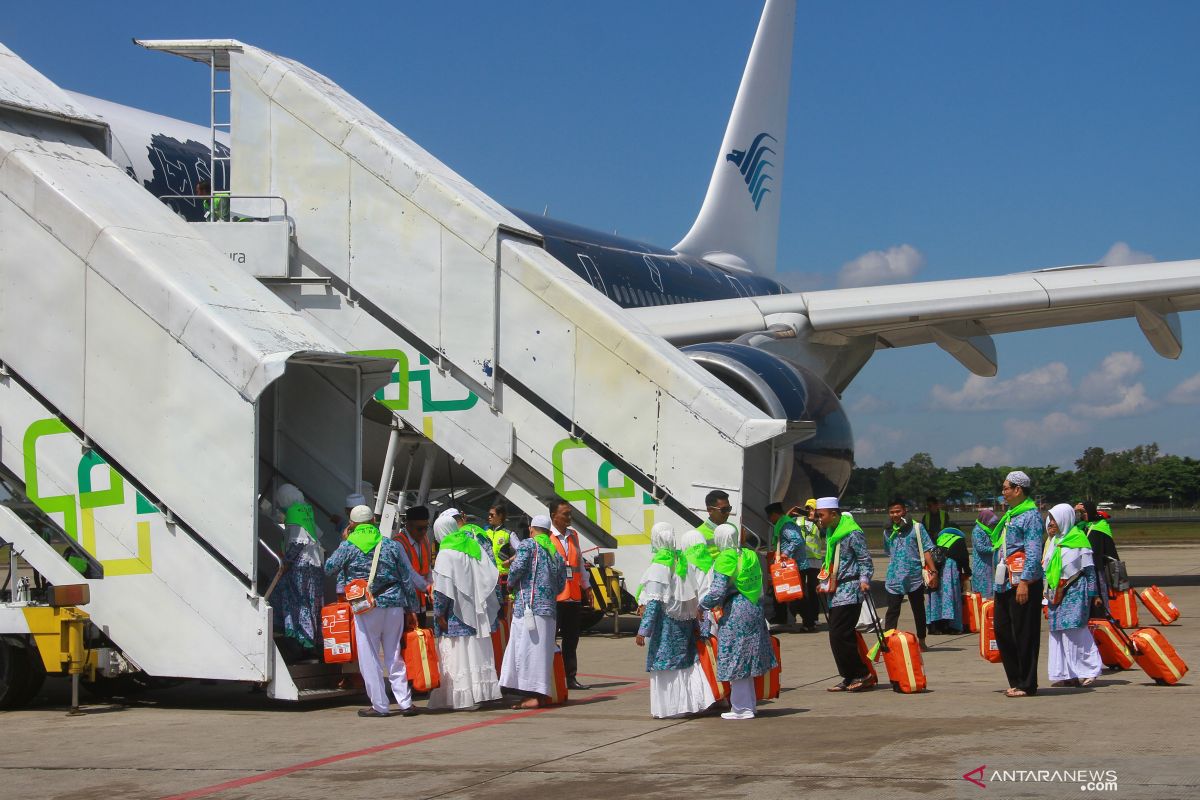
(987, 137)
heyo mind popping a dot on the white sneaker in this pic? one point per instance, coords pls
(738, 715)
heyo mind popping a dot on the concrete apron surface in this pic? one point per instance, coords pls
(1126, 737)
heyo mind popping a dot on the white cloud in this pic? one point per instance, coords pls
(1054, 425)
(1108, 393)
(1121, 254)
(982, 454)
(1186, 393)
(1040, 386)
(894, 265)
(869, 404)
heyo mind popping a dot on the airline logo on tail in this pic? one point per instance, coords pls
(752, 163)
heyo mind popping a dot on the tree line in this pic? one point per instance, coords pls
(1142, 475)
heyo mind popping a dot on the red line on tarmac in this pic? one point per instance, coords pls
(379, 748)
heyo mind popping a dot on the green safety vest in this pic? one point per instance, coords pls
(813, 541)
(498, 538)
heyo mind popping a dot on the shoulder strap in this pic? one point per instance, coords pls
(374, 564)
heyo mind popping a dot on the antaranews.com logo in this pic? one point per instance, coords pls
(1089, 780)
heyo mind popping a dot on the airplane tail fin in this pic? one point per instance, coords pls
(738, 225)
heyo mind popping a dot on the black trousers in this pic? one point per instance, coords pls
(568, 629)
(1019, 636)
(916, 600)
(810, 605)
(844, 643)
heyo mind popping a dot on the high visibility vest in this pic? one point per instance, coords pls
(421, 558)
(573, 590)
(942, 521)
(813, 540)
(499, 538)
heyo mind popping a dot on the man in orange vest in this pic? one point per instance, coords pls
(417, 553)
(577, 590)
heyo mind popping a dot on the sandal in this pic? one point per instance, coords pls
(1016, 693)
(839, 687)
(862, 684)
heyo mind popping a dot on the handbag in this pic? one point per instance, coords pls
(1013, 565)
(827, 578)
(1117, 575)
(358, 591)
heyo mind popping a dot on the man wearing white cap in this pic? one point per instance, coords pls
(537, 575)
(849, 569)
(1017, 585)
(367, 555)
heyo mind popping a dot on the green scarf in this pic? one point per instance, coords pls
(365, 536)
(991, 532)
(741, 564)
(844, 528)
(891, 535)
(699, 556)
(302, 514)
(998, 532)
(1101, 526)
(1076, 537)
(947, 537)
(463, 540)
(779, 526)
(544, 540)
(668, 558)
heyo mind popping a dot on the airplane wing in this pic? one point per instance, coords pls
(959, 316)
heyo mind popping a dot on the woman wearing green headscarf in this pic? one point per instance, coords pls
(743, 643)
(668, 631)
(1074, 659)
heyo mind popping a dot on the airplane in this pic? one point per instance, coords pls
(792, 354)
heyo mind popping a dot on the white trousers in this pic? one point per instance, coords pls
(381, 630)
(741, 695)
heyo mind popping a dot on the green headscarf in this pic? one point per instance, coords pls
(845, 527)
(464, 541)
(1077, 538)
(947, 536)
(741, 564)
(301, 514)
(699, 556)
(365, 537)
(998, 532)
(544, 540)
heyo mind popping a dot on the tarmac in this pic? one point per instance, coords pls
(1124, 738)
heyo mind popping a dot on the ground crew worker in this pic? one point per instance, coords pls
(576, 592)
(935, 519)
(719, 511)
(814, 544)
(501, 539)
(216, 209)
(417, 554)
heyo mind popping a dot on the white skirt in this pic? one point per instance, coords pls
(1073, 654)
(529, 657)
(674, 692)
(468, 672)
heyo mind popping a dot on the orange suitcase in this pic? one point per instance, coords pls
(972, 611)
(766, 687)
(866, 659)
(337, 633)
(786, 580)
(706, 651)
(1157, 657)
(987, 633)
(1160, 605)
(499, 643)
(1112, 643)
(421, 659)
(1123, 608)
(558, 694)
(905, 669)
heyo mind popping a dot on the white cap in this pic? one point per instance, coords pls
(355, 499)
(541, 521)
(1018, 478)
(827, 502)
(361, 514)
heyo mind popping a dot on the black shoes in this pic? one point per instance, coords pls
(574, 684)
(370, 712)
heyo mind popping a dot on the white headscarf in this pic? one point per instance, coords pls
(656, 580)
(288, 495)
(470, 583)
(725, 537)
(1074, 559)
(443, 526)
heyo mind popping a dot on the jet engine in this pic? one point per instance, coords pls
(816, 467)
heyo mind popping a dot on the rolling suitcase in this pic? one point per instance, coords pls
(902, 658)
(1160, 605)
(499, 643)
(1156, 657)
(766, 687)
(558, 689)
(337, 633)
(706, 652)
(1112, 643)
(1123, 608)
(987, 633)
(864, 657)
(972, 611)
(420, 657)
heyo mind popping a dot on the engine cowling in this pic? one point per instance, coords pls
(817, 467)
